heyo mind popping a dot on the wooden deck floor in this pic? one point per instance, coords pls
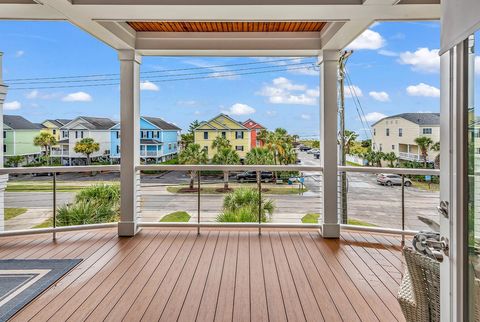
(219, 275)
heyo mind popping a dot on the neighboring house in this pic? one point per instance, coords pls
(159, 140)
(255, 129)
(397, 134)
(97, 128)
(18, 135)
(53, 126)
(223, 125)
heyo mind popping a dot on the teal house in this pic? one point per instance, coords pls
(18, 135)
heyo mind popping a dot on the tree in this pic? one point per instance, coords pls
(261, 156)
(390, 157)
(193, 126)
(15, 160)
(226, 156)
(86, 146)
(424, 144)
(189, 137)
(220, 143)
(350, 137)
(193, 154)
(436, 148)
(242, 205)
(46, 141)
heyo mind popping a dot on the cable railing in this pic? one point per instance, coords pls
(295, 190)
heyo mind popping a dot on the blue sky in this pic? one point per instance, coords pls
(394, 69)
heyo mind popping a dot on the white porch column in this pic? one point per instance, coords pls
(328, 141)
(130, 143)
(3, 178)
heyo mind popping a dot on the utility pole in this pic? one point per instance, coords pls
(341, 113)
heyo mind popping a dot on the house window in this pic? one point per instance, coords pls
(76, 134)
(158, 134)
(81, 134)
(400, 132)
(224, 135)
(65, 134)
(387, 132)
(374, 146)
(239, 135)
(393, 147)
(205, 148)
(4, 134)
(374, 131)
(380, 147)
(239, 147)
(54, 131)
(142, 134)
(205, 135)
(4, 148)
(427, 130)
(118, 134)
(118, 149)
(169, 146)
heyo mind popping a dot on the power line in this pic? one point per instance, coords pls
(157, 76)
(164, 80)
(13, 80)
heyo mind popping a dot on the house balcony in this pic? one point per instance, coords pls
(410, 156)
(150, 154)
(60, 153)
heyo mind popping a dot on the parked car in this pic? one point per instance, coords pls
(251, 176)
(304, 148)
(313, 151)
(389, 179)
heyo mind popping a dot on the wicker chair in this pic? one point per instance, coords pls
(419, 294)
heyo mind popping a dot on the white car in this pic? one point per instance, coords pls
(313, 151)
(388, 179)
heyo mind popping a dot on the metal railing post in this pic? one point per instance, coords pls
(259, 182)
(403, 210)
(199, 173)
(54, 204)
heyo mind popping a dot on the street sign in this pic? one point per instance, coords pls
(428, 178)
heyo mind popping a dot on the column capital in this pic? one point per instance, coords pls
(329, 55)
(129, 55)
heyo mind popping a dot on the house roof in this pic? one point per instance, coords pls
(255, 124)
(18, 122)
(58, 122)
(164, 125)
(221, 125)
(95, 123)
(417, 118)
(150, 141)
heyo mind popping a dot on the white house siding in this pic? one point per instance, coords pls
(99, 136)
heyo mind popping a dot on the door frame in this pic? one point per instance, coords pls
(453, 183)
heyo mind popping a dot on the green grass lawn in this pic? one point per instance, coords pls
(313, 219)
(177, 216)
(46, 224)
(272, 189)
(426, 186)
(14, 187)
(13, 212)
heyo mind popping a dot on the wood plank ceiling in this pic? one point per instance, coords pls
(227, 26)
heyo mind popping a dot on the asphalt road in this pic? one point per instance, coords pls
(367, 200)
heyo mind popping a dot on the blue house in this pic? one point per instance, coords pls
(158, 140)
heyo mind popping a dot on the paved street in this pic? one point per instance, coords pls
(367, 200)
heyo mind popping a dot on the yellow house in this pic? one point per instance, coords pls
(224, 126)
(53, 126)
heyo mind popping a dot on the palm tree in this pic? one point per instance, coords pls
(15, 160)
(193, 154)
(289, 156)
(390, 157)
(350, 137)
(424, 144)
(86, 146)
(261, 156)
(220, 143)
(226, 156)
(436, 147)
(46, 141)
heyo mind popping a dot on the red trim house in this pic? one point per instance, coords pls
(255, 129)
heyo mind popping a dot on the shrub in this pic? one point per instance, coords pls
(241, 205)
(96, 204)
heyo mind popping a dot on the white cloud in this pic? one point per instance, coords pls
(423, 89)
(240, 109)
(352, 90)
(148, 86)
(14, 105)
(197, 112)
(374, 116)
(422, 60)
(283, 91)
(271, 113)
(387, 53)
(380, 96)
(33, 94)
(369, 39)
(305, 116)
(77, 97)
(19, 53)
(188, 103)
(36, 94)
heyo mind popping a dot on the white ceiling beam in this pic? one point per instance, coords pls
(233, 43)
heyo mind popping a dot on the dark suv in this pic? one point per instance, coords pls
(252, 176)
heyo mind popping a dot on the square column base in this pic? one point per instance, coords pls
(127, 229)
(330, 230)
